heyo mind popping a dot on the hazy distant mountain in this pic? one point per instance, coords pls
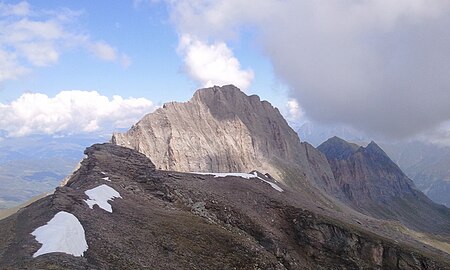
(427, 164)
(36, 164)
(316, 134)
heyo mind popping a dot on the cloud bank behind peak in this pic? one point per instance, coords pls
(378, 65)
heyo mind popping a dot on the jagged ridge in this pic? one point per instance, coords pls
(221, 129)
(375, 185)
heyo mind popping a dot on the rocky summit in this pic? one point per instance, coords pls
(221, 129)
(223, 182)
(375, 185)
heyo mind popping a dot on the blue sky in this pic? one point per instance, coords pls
(378, 66)
(143, 32)
(123, 48)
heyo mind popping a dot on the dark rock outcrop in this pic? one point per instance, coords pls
(375, 185)
(173, 220)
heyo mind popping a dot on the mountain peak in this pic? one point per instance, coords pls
(337, 148)
(374, 184)
(373, 148)
(222, 129)
(226, 92)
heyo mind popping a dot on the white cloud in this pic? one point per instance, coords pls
(20, 9)
(103, 51)
(378, 65)
(295, 113)
(70, 112)
(39, 54)
(9, 66)
(213, 64)
(440, 135)
(35, 38)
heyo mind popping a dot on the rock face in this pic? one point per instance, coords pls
(374, 184)
(221, 129)
(172, 220)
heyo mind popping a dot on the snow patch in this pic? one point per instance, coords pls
(100, 196)
(244, 175)
(63, 233)
(273, 185)
(106, 178)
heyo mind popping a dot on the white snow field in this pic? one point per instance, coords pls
(63, 233)
(243, 175)
(100, 196)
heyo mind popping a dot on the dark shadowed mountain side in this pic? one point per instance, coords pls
(375, 185)
(427, 164)
(221, 129)
(171, 220)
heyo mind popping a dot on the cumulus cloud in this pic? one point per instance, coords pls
(35, 38)
(70, 112)
(378, 65)
(212, 64)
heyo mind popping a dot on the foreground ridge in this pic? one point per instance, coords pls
(180, 220)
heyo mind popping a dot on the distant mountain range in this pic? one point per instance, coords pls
(427, 164)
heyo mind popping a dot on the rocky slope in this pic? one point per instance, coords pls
(172, 220)
(425, 163)
(221, 129)
(375, 185)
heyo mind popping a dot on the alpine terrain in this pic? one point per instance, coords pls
(375, 185)
(223, 182)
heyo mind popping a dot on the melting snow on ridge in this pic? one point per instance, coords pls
(244, 175)
(63, 233)
(100, 196)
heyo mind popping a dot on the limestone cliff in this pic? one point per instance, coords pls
(221, 129)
